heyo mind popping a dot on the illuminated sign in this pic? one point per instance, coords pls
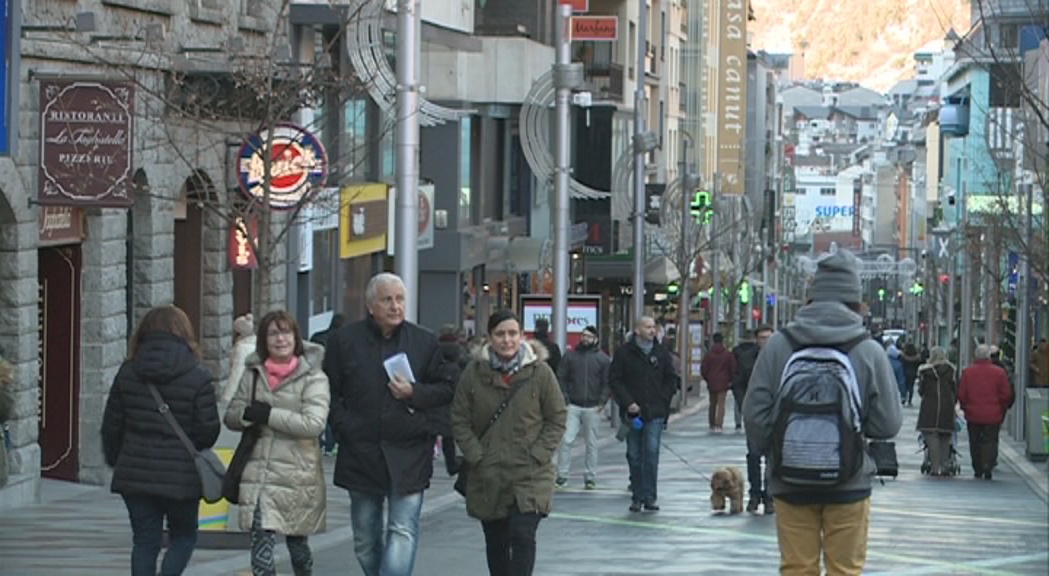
(834, 211)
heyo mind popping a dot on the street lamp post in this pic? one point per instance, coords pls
(406, 215)
(566, 77)
(684, 297)
(639, 165)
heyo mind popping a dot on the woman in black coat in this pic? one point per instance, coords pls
(152, 468)
(912, 360)
(938, 387)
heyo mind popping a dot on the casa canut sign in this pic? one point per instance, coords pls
(85, 143)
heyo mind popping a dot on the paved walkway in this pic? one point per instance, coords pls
(920, 525)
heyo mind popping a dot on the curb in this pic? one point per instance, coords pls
(1027, 471)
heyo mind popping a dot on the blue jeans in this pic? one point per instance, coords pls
(147, 515)
(642, 455)
(393, 555)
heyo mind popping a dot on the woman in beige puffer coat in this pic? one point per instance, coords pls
(283, 486)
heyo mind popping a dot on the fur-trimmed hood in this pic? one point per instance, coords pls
(533, 352)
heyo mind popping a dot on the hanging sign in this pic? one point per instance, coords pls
(298, 166)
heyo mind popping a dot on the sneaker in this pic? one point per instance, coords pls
(635, 506)
(770, 508)
(590, 485)
(752, 505)
(561, 482)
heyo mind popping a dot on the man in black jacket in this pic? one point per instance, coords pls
(584, 381)
(746, 360)
(643, 381)
(385, 438)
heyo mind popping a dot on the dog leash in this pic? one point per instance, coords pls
(687, 464)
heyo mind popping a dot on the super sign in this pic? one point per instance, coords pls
(298, 165)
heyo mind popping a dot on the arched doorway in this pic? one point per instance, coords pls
(189, 253)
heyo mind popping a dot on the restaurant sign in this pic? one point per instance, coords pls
(85, 142)
(243, 239)
(60, 225)
(298, 166)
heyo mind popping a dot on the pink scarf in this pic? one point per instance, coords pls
(276, 373)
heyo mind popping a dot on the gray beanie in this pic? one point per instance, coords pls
(837, 279)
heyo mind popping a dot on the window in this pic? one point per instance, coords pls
(355, 137)
(465, 169)
(828, 192)
(325, 261)
(800, 191)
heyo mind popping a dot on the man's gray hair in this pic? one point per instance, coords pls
(641, 319)
(380, 280)
(983, 352)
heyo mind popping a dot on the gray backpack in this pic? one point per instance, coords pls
(817, 438)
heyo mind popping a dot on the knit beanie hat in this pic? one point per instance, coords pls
(244, 326)
(837, 279)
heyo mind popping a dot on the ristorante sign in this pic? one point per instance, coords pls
(85, 142)
(732, 95)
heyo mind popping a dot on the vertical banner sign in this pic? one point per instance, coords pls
(857, 201)
(5, 76)
(243, 238)
(732, 95)
(85, 142)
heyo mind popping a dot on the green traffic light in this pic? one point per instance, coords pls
(744, 293)
(881, 294)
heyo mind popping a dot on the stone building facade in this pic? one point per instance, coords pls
(67, 311)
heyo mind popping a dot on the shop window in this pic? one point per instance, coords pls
(325, 262)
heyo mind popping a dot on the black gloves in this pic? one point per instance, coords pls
(258, 412)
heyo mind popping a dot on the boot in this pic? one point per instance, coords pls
(770, 508)
(752, 505)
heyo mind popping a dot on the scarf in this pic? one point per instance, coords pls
(277, 373)
(644, 345)
(506, 367)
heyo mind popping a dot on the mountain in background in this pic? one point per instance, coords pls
(867, 41)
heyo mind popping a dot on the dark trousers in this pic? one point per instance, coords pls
(759, 486)
(451, 459)
(510, 544)
(983, 447)
(147, 514)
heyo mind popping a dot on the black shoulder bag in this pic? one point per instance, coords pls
(209, 467)
(464, 470)
(248, 439)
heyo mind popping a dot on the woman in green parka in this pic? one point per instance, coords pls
(511, 482)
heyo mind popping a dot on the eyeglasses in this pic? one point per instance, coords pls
(277, 333)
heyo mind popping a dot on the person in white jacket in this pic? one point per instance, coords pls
(243, 345)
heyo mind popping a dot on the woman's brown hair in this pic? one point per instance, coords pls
(284, 321)
(167, 319)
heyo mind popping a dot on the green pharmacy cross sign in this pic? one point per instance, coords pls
(702, 208)
(917, 289)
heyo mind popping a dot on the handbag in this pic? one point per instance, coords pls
(464, 470)
(209, 468)
(248, 439)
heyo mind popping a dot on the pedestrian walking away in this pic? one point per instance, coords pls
(643, 382)
(823, 510)
(911, 360)
(282, 491)
(382, 422)
(583, 375)
(758, 479)
(938, 388)
(745, 354)
(985, 396)
(718, 369)
(152, 469)
(553, 351)
(508, 417)
(456, 358)
(328, 441)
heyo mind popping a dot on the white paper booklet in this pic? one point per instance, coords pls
(398, 365)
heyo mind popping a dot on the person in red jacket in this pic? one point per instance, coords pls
(985, 395)
(718, 369)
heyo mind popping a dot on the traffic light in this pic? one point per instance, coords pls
(673, 288)
(744, 293)
(881, 294)
(944, 279)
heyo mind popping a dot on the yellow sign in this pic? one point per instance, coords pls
(362, 220)
(731, 71)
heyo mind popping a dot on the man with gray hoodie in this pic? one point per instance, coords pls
(828, 521)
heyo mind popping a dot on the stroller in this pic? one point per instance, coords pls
(953, 466)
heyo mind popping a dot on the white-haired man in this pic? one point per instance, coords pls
(385, 439)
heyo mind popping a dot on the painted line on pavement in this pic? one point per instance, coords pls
(977, 518)
(984, 567)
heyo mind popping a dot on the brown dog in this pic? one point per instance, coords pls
(727, 483)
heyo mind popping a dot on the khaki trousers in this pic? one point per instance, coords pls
(838, 530)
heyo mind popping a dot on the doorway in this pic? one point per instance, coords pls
(188, 261)
(59, 271)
